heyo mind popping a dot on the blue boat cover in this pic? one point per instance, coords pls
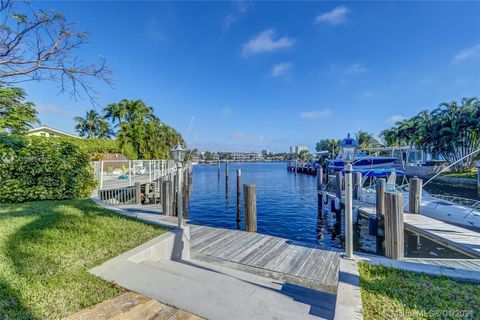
(377, 172)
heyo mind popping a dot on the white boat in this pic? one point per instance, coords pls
(433, 206)
(363, 162)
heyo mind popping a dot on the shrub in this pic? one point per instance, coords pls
(38, 168)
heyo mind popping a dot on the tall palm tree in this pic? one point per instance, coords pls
(93, 125)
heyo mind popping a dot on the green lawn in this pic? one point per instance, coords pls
(389, 293)
(467, 175)
(46, 249)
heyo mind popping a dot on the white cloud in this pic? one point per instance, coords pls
(281, 68)
(356, 69)
(266, 42)
(394, 119)
(316, 114)
(467, 53)
(231, 18)
(334, 17)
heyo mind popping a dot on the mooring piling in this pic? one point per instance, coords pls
(138, 192)
(167, 197)
(338, 185)
(394, 239)
(250, 207)
(319, 178)
(357, 185)
(415, 195)
(239, 173)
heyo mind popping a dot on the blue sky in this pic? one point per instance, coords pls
(241, 76)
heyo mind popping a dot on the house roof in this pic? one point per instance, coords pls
(54, 130)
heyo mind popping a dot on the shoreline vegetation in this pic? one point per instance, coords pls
(47, 248)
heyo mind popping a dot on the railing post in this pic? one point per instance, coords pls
(101, 174)
(250, 207)
(415, 195)
(394, 238)
(129, 172)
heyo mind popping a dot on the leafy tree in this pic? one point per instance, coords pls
(366, 140)
(93, 126)
(43, 45)
(139, 130)
(16, 115)
(451, 130)
(304, 155)
(330, 145)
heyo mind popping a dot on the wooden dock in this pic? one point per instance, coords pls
(296, 262)
(464, 240)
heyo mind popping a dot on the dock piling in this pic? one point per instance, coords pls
(138, 192)
(380, 202)
(338, 185)
(415, 195)
(394, 238)
(250, 207)
(319, 178)
(239, 173)
(167, 198)
(357, 185)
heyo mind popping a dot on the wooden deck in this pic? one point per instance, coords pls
(452, 236)
(296, 262)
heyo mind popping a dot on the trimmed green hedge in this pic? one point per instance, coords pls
(38, 168)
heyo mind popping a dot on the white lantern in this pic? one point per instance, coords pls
(179, 152)
(348, 148)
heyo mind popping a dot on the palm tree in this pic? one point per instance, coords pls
(93, 126)
(452, 130)
(365, 139)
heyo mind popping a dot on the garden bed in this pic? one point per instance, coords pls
(47, 248)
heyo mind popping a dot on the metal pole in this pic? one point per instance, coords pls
(179, 195)
(348, 212)
(101, 174)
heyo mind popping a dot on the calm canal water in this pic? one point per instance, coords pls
(287, 207)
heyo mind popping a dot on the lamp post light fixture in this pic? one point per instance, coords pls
(179, 153)
(348, 148)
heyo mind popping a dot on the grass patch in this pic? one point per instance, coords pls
(46, 249)
(466, 175)
(389, 293)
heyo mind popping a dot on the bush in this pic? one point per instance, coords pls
(38, 168)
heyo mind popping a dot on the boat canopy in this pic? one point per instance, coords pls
(377, 172)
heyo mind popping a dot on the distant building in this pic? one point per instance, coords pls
(266, 153)
(246, 156)
(44, 131)
(298, 149)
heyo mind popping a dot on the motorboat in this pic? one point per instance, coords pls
(363, 162)
(454, 210)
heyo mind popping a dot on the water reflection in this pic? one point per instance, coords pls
(288, 206)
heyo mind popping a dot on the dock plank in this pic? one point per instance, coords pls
(293, 259)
